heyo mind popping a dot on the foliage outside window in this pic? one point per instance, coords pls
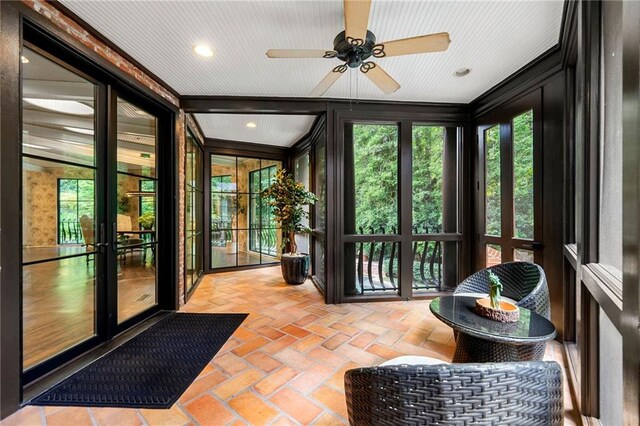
(75, 199)
(147, 203)
(493, 202)
(427, 165)
(522, 126)
(375, 166)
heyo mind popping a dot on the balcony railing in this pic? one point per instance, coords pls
(69, 232)
(377, 262)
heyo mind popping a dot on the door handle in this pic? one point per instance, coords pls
(115, 237)
(534, 246)
(101, 244)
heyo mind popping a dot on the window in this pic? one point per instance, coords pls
(243, 231)
(75, 199)
(610, 209)
(263, 237)
(378, 257)
(194, 212)
(147, 203)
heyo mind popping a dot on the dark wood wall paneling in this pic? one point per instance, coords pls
(545, 75)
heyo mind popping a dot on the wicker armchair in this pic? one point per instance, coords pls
(522, 393)
(523, 282)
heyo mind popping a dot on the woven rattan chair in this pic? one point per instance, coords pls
(523, 282)
(522, 393)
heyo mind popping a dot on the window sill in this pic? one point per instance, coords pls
(571, 254)
(606, 289)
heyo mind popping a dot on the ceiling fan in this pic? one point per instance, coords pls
(356, 44)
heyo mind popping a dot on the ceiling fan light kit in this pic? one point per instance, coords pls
(356, 44)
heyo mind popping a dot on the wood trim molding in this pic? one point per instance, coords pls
(532, 75)
(569, 33)
(600, 288)
(227, 147)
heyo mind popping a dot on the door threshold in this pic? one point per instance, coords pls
(63, 372)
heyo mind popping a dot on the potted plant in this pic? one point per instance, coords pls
(147, 221)
(492, 307)
(287, 199)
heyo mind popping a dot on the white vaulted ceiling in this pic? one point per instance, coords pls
(271, 129)
(492, 38)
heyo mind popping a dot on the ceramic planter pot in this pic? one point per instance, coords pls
(295, 269)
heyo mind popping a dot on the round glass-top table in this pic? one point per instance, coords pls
(480, 339)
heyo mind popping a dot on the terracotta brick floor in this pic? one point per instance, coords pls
(285, 364)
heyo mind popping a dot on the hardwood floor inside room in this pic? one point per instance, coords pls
(59, 297)
(285, 364)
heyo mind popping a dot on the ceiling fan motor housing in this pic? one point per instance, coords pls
(354, 51)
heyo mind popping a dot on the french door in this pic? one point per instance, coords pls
(89, 211)
(509, 185)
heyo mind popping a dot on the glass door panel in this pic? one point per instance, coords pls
(510, 194)
(136, 243)
(522, 128)
(243, 231)
(428, 143)
(194, 220)
(371, 209)
(60, 220)
(492, 185)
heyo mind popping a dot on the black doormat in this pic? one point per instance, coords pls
(152, 369)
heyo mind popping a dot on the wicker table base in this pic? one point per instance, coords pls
(474, 349)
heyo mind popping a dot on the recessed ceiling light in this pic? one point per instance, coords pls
(461, 72)
(29, 145)
(251, 124)
(63, 106)
(24, 59)
(203, 50)
(78, 130)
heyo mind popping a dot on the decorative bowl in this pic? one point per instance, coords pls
(508, 312)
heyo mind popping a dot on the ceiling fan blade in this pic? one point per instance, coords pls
(409, 46)
(379, 77)
(328, 81)
(300, 53)
(356, 19)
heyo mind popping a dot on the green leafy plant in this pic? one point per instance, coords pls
(147, 220)
(495, 287)
(287, 199)
(123, 204)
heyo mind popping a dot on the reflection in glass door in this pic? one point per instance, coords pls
(89, 212)
(62, 223)
(243, 230)
(136, 246)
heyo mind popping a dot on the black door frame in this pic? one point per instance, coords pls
(503, 118)
(40, 37)
(405, 119)
(232, 149)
